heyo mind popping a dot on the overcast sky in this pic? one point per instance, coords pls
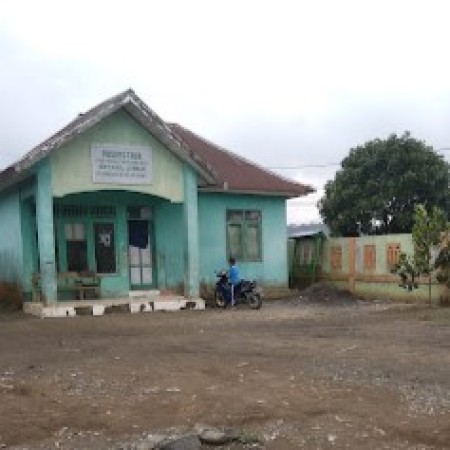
(285, 83)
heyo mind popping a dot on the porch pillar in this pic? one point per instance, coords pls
(190, 219)
(46, 235)
(28, 238)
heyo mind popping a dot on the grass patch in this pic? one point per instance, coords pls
(247, 438)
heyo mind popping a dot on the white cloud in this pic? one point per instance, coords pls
(283, 82)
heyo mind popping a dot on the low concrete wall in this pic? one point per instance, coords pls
(363, 266)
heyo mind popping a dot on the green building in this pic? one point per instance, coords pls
(122, 202)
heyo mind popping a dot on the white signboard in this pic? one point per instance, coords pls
(121, 164)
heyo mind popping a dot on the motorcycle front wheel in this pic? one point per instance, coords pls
(219, 300)
(255, 300)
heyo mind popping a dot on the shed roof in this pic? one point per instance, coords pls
(308, 230)
(219, 169)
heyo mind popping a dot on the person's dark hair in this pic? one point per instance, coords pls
(232, 261)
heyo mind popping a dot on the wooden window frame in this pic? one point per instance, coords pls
(393, 251)
(244, 225)
(336, 261)
(89, 228)
(70, 227)
(369, 263)
(95, 224)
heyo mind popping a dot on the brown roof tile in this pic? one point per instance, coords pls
(236, 174)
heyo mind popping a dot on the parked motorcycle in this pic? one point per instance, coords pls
(249, 293)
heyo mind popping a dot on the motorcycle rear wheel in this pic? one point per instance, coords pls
(255, 300)
(219, 300)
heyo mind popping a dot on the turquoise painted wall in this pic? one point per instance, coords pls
(191, 233)
(11, 238)
(29, 244)
(70, 175)
(72, 168)
(169, 246)
(273, 269)
(167, 225)
(170, 238)
(46, 232)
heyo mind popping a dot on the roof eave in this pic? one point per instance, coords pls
(287, 193)
(158, 128)
(312, 234)
(54, 142)
(10, 177)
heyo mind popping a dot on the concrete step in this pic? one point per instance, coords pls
(100, 307)
(144, 293)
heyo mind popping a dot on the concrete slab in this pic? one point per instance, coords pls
(57, 311)
(135, 308)
(98, 310)
(169, 305)
(147, 307)
(97, 307)
(144, 294)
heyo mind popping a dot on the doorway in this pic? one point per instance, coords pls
(140, 255)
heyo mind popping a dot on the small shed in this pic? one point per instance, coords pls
(305, 244)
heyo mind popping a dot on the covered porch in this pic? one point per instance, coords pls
(94, 250)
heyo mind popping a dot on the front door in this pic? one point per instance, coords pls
(140, 254)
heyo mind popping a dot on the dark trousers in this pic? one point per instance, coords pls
(230, 293)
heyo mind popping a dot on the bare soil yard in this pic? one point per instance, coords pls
(296, 374)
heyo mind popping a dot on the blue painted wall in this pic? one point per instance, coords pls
(11, 238)
(273, 269)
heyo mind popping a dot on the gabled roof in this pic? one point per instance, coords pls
(219, 169)
(235, 173)
(129, 101)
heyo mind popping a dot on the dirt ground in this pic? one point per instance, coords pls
(299, 373)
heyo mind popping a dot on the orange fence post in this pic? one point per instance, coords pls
(351, 264)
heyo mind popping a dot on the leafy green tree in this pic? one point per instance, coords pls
(428, 233)
(379, 185)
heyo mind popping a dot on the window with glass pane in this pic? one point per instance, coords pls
(76, 247)
(235, 240)
(105, 254)
(244, 235)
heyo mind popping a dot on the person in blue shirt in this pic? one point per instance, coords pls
(234, 275)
